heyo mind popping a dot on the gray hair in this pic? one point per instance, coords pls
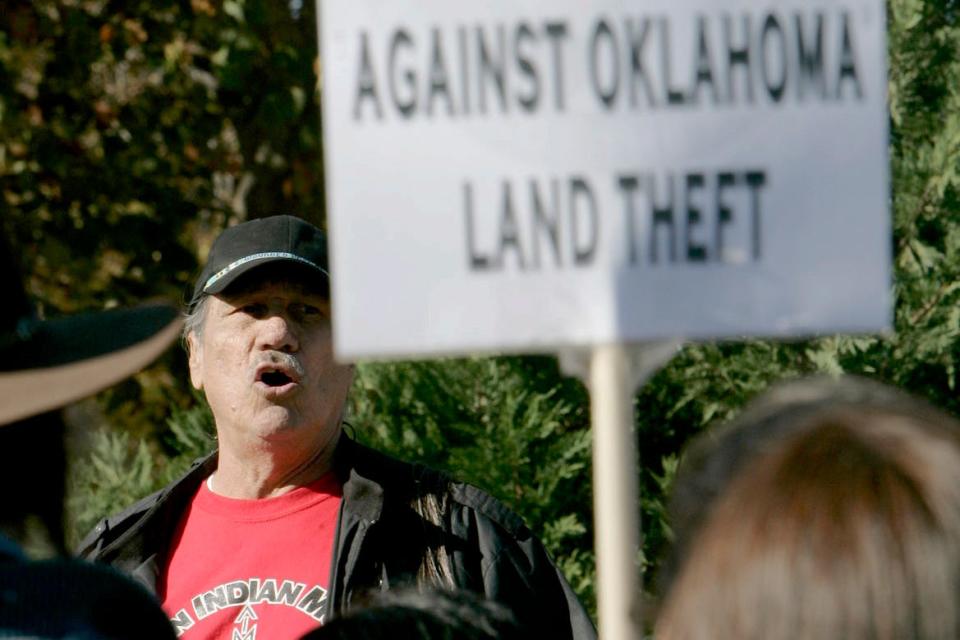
(193, 320)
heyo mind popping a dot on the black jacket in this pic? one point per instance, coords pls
(381, 540)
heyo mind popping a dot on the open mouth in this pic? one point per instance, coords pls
(278, 378)
(275, 378)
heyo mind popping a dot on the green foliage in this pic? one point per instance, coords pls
(511, 426)
(925, 158)
(117, 473)
(130, 135)
(190, 435)
(120, 468)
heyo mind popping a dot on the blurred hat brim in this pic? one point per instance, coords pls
(48, 364)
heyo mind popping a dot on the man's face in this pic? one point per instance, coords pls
(264, 359)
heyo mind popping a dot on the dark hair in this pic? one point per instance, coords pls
(828, 509)
(426, 615)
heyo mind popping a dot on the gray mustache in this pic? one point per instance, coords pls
(282, 359)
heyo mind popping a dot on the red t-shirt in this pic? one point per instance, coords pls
(247, 569)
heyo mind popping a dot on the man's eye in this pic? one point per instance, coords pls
(308, 310)
(254, 309)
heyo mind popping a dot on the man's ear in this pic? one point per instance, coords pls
(195, 361)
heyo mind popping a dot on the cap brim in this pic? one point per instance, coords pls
(221, 283)
(122, 343)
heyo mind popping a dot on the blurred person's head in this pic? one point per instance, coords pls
(828, 509)
(423, 615)
(46, 363)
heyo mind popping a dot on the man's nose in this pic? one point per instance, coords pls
(277, 333)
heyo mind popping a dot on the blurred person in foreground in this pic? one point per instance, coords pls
(45, 364)
(830, 509)
(290, 520)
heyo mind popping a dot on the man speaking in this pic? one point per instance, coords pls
(290, 520)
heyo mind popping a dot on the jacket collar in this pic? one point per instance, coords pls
(355, 465)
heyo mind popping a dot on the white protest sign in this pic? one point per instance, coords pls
(519, 175)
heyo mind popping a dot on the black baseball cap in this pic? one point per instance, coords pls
(258, 242)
